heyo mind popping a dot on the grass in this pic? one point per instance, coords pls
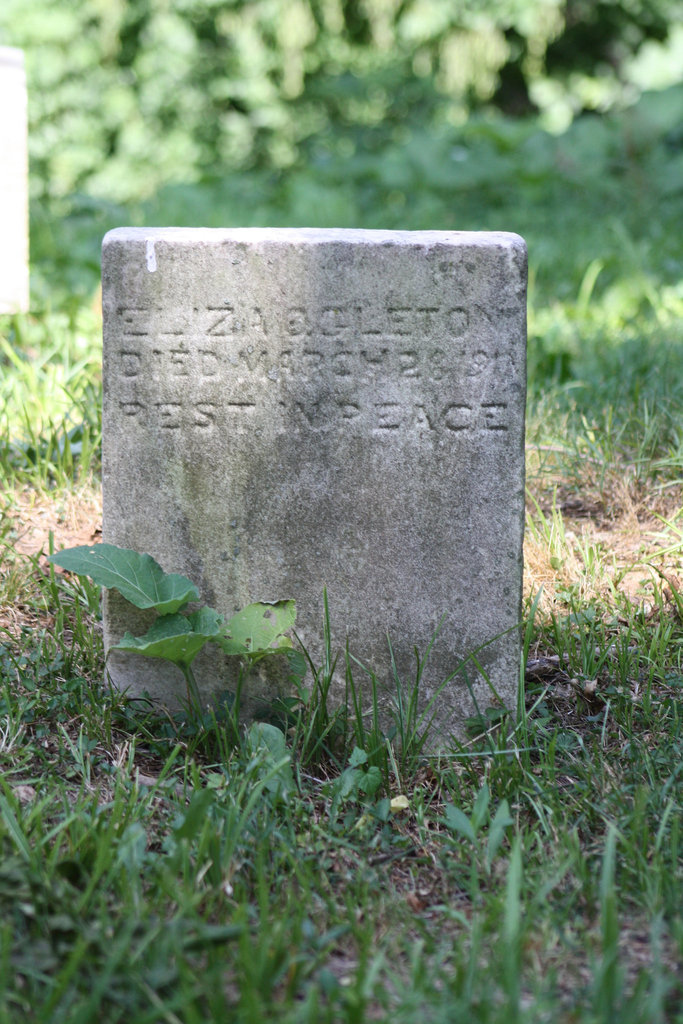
(50, 426)
(153, 871)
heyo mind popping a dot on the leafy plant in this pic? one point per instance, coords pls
(137, 577)
(270, 758)
(256, 632)
(484, 830)
(358, 781)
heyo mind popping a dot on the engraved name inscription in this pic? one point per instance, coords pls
(349, 366)
(350, 320)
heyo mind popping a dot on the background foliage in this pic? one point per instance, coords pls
(371, 113)
(129, 94)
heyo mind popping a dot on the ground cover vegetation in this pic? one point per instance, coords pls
(312, 867)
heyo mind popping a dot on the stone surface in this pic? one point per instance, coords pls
(292, 410)
(13, 183)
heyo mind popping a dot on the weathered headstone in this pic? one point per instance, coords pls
(292, 410)
(13, 183)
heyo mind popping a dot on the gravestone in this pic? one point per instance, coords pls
(13, 183)
(293, 411)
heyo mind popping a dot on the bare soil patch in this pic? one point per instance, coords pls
(601, 546)
(31, 522)
(71, 519)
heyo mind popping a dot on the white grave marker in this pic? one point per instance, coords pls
(13, 183)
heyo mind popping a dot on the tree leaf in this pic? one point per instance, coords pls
(176, 638)
(137, 577)
(258, 630)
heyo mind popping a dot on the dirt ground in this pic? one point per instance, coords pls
(598, 547)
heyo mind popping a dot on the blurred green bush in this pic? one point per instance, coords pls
(127, 95)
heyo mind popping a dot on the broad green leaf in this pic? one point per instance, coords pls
(176, 638)
(358, 758)
(206, 621)
(369, 781)
(497, 829)
(297, 664)
(263, 734)
(258, 630)
(480, 809)
(342, 787)
(457, 821)
(195, 816)
(357, 778)
(137, 577)
(267, 744)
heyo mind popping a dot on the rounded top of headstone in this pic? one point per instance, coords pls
(312, 236)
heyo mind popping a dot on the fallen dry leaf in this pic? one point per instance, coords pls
(415, 902)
